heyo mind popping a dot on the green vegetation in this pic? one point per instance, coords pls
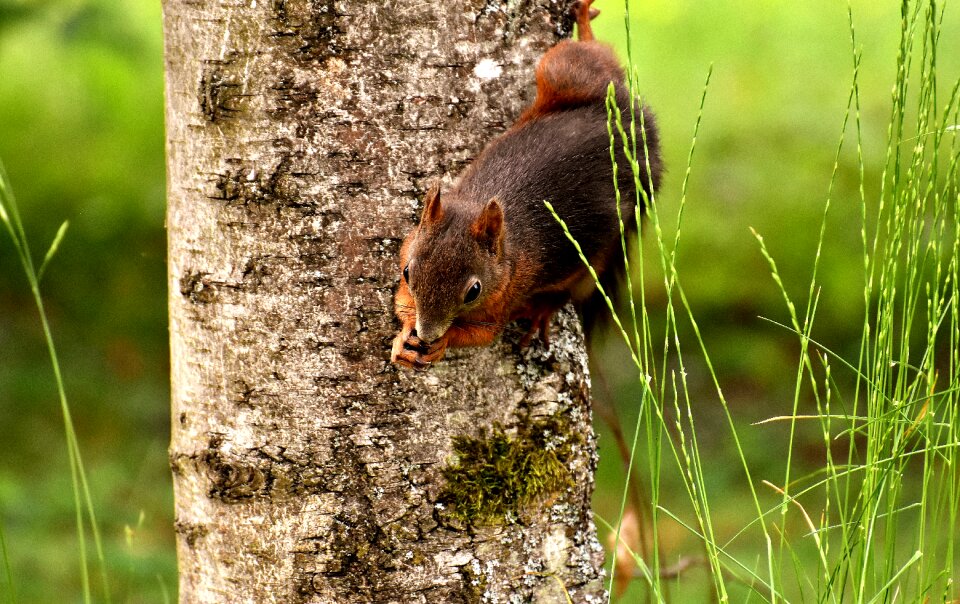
(498, 476)
(83, 504)
(81, 134)
(858, 500)
(81, 131)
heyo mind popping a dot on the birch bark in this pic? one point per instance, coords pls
(301, 136)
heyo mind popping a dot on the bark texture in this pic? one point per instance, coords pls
(301, 136)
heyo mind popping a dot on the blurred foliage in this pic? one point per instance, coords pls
(81, 132)
(782, 73)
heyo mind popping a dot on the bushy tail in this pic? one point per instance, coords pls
(584, 14)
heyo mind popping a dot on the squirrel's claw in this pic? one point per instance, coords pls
(416, 344)
(413, 353)
(528, 337)
(401, 354)
(434, 351)
(540, 322)
(411, 359)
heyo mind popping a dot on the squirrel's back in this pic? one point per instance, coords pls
(561, 156)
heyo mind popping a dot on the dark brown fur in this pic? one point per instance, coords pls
(493, 225)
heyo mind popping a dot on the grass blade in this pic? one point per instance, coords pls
(54, 246)
(83, 501)
(11, 591)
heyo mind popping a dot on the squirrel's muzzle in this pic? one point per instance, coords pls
(430, 330)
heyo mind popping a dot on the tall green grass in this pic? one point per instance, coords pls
(10, 588)
(876, 521)
(83, 502)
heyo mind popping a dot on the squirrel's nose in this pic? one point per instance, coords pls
(428, 331)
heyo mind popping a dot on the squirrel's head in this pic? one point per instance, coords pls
(455, 261)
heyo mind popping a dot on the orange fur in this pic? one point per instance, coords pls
(564, 79)
(572, 74)
(584, 14)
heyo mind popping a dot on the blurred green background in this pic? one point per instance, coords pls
(81, 133)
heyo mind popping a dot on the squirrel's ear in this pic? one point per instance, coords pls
(432, 210)
(488, 227)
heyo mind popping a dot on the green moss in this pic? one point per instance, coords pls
(497, 476)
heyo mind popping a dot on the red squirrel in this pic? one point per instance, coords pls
(488, 251)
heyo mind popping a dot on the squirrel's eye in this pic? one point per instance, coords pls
(472, 293)
(406, 273)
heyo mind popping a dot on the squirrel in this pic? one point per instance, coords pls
(488, 252)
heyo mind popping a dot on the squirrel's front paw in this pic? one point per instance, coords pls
(412, 352)
(539, 322)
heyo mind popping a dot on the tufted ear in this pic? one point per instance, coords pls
(432, 210)
(487, 229)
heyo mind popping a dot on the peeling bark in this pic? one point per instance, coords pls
(301, 135)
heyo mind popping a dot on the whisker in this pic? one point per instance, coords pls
(479, 323)
(475, 323)
(505, 327)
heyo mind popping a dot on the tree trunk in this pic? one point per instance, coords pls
(301, 135)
